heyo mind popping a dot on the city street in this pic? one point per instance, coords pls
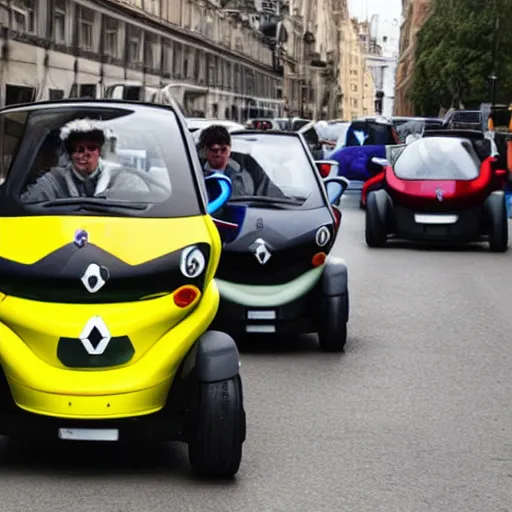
(415, 416)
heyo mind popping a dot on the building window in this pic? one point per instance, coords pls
(24, 16)
(111, 37)
(167, 56)
(59, 22)
(56, 94)
(353, 87)
(151, 51)
(176, 60)
(135, 44)
(86, 26)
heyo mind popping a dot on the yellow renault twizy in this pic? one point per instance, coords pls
(107, 258)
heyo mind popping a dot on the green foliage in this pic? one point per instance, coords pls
(454, 55)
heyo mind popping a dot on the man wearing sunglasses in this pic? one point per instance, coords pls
(85, 175)
(249, 180)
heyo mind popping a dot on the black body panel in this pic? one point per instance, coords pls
(57, 277)
(72, 354)
(290, 236)
(468, 227)
(303, 315)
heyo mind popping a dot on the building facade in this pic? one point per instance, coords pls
(355, 77)
(311, 48)
(380, 40)
(213, 64)
(415, 13)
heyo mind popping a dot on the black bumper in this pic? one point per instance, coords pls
(293, 318)
(467, 228)
(300, 316)
(17, 423)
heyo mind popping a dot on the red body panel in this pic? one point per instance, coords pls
(457, 194)
(368, 184)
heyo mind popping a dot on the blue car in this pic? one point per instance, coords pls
(366, 139)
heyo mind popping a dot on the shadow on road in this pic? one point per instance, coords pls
(437, 247)
(275, 345)
(101, 461)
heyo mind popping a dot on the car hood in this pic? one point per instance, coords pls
(291, 238)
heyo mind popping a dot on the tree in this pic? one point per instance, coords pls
(455, 55)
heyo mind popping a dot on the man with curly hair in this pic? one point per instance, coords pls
(248, 179)
(85, 175)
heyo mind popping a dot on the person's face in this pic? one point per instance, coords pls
(218, 155)
(85, 156)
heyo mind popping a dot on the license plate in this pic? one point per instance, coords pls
(269, 329)
(261, 315)
(89, 434)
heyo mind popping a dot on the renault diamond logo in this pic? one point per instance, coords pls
(439, 194)
(261, 252)
(95, 337)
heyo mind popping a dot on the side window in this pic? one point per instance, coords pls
(12, 129)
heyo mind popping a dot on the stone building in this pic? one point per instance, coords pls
(214, 64)
(415, 13)
(355, 77)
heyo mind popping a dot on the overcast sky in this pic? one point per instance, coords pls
(364, 8)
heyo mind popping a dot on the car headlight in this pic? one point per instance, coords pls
(192, 262)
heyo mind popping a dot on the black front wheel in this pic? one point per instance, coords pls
(498, 223)
(375, 226)
(215, 448)
(332, 333)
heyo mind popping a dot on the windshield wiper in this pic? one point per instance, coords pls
(265, 199)
(93, 202)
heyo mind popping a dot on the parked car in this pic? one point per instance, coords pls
(198, 123)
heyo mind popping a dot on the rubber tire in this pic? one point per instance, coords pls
(332, 334)
(498, 223)
(215, 450)
(375, 229)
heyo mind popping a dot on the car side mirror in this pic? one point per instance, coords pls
(335, 188)
(219, 190)
(326, 167)
(229, 227)
(377, 165)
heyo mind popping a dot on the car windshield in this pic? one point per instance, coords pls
(116, 160)
(438, 158)
(275, 162)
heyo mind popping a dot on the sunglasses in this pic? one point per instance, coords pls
(217, 149)
(86, 147)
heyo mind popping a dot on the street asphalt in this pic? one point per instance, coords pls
(415, 416)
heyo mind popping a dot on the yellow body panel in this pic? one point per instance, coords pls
(129, 390)
(133, 240)
(160, 332)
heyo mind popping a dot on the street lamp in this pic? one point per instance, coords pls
(495, 44)
(493, 78)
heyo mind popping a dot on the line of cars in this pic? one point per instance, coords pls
(119, 308)
(422, 180)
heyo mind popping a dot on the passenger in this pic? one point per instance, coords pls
(251, 180)
(85, 175)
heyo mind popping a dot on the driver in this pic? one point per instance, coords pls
(86, 175)
(216, 142)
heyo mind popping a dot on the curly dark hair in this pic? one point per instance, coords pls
(94, 136)
(215, 134)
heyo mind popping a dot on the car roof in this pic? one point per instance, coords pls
(459, 134)
(284, 133)
(107, 102)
